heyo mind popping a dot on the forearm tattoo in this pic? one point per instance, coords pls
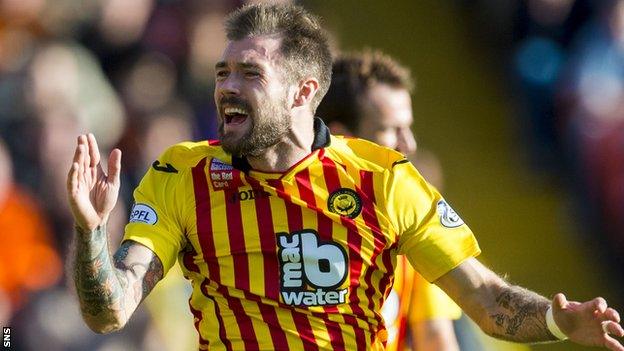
(98, 285)
(149, 273)
(520, 316)
(110, 290)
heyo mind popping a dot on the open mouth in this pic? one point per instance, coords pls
(235, 115)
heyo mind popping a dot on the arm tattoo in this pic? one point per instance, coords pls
(110, 291)
(520, 316)
(151, 272)
(97, 285)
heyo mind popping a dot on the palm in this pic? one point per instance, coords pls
(92, 192)
(582, 322)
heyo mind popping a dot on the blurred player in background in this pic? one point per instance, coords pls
(369, 97)
(289, 234)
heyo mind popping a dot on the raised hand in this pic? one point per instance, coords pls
(589, 323)
(92, 192)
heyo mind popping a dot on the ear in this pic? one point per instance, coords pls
(306, 91)
(337, 128)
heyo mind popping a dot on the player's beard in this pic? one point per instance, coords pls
(270, 122)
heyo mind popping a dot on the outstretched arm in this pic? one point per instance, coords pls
(513, 313)
(109, 289)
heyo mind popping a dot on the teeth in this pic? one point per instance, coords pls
(232, 110)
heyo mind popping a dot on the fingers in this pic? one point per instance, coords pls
(559, 301)
(94, 151)
(612, 328)
(81, 152)
(599, 304)
(114, 166)
(612, 315)
(72, 178)
(613, 344)
(86, 159)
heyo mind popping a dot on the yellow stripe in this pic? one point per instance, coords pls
(221, 238)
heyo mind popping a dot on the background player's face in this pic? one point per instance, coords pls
(251, 95)
(387, 118)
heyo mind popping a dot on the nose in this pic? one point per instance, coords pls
(229, 85)
(406, 143)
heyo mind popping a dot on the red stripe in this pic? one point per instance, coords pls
(359, 332)
(354, 239)
(268, 245)
(271, 268)
(197, 319)
(222, 335)
(370, 219)
(245, 325)
(295, 223)
(189, 259)
(238, 249)
(204, 219)
(293, 212)
(326, 234)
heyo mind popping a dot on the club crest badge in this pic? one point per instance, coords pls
(345, 202)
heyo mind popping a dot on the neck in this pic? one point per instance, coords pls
(296, 145)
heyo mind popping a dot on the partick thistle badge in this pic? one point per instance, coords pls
(345, 202)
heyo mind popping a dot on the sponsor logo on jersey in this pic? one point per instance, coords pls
(142, 213)
(345, 202)
(249, 194)
(448, 217)
(223, 175)
(311, 271)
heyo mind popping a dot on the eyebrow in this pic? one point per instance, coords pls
(243, 65)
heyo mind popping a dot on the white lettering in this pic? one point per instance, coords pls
(142, 213)
(292, 275)
(311, 298)
(324, 265)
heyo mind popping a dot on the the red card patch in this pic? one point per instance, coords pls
(224, 176)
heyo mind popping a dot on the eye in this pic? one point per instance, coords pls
(252, 74)
(221, 74)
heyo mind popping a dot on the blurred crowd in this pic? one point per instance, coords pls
(567, 74)
(139, 74)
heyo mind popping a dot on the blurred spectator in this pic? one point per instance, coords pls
(32, 263)
(592, 121)
(543, 29)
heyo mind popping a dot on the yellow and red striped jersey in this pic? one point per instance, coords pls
(300, 260)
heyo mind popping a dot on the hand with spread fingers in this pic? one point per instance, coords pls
(590, 323)
(92, 192)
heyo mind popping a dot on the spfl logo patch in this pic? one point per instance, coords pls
(448, 217)
(142, 213)
(345, 202)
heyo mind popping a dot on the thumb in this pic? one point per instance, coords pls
(114, 166)
(559, 302)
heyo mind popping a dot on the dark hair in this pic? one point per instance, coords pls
(353, 74)
(304, 43)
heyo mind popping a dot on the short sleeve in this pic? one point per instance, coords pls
(157, 214)
(431, 234)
